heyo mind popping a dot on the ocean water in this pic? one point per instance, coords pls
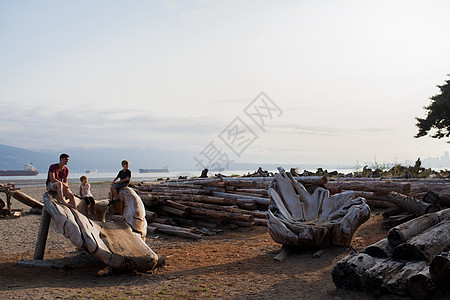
(74, 177)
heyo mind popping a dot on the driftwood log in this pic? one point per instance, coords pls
(303, 219)
(360, 271)
(120, 244)
(380, 187)
(411, 204)
(440, 270)
(426, 245)
(24, 198)
(399, 234)
(400, 263)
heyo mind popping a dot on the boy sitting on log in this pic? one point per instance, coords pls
(124, 175)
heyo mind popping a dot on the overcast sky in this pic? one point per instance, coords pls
(345, 78)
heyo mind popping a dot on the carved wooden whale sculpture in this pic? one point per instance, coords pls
(298, 218)
(119, 244)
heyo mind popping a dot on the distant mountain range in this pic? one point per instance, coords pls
(12, 158)
(102, 159)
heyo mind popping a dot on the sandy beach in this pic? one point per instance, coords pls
(235, 264)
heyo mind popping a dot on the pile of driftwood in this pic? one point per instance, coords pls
(11, 191)
(196, 207)
(413, 260)
(405, 199)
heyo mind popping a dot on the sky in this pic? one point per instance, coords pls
(342, 81)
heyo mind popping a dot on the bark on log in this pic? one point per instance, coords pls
(205, 181)
(380, 203)
(421, 286)
(174, 230)
(224, 208)
(440, 270)
(221, 214)
(359, 271)
(405, 231)
(199, 198)
(150, 200)
(366, 195)
(349, 272)
(425, 245)
(173, 211)
(259, 200)
(178, 206)
(380, 249)
(392, 211)
(413, 205)
(260, 222)
(379, 187)
(150, 215)
(391, 276)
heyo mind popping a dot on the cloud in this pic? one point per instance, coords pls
(40, 126)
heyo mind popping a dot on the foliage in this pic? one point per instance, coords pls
(384, 170)
(438, 115)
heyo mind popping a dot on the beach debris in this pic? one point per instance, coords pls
(25, 199)
(413, 260)
(298, 218)
(209, 205)
(119, 244)
(204, 173)
(260, 173)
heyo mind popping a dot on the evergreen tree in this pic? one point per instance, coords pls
(438, 115)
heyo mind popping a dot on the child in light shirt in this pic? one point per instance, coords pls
(85, 193)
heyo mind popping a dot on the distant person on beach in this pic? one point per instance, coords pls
(85, 193)
(124, 175)
(57, 181)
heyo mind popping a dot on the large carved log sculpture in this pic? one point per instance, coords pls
(299, 218)
(119, 244)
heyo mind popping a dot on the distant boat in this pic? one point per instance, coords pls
(91, 171)
(29, 170)
(161, 170)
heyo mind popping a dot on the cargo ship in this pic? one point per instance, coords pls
(161, 170)
(29, 170)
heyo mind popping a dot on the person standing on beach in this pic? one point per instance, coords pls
(124, 175)
(57, 181)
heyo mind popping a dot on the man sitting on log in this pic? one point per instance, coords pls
(57, 181)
